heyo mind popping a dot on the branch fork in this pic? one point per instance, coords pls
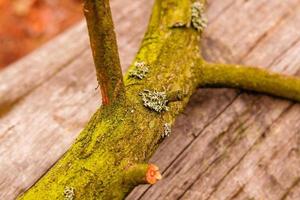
(116, 138)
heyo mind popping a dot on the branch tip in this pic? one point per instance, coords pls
(153, 175)
(141, 174)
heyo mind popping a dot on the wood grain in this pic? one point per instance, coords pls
(227, 144)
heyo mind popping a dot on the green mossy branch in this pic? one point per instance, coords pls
(250, 78)
(105, 50)
(104, 162)
(126, 133)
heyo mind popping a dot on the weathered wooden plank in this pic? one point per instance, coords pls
(219, 155)
(227, 144)
(42, 65)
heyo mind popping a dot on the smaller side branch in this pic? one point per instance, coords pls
(105, 50)
(250, 78)
(142, 174)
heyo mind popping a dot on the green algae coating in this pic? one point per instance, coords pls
(252, 79)
(98, 165)
(116, 138)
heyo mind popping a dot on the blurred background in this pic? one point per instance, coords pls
(27, 24)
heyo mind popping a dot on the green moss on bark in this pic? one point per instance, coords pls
(250, 78)
(117, 138)
(126, 133)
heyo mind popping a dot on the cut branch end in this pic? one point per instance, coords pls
(142, 174)
(153, 175)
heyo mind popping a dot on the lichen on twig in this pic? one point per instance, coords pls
(199, 21)
(167, 130)
(155, 100)
(69, 193)
(140, 71)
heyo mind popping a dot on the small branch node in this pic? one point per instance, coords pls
(142, 174)
(153, 175)
(174, 96)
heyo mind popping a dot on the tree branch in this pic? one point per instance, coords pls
(104, 162)
(250, 78)
(105, 50)
(119, 137)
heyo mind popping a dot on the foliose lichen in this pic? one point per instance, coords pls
(167, 130)
(199, 21)
(69, 193)
(155, 100)
(140, 71)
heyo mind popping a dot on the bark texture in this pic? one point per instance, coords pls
(120, 136)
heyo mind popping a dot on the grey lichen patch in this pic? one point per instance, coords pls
(167, 130)
(155, 100)
(199, 21)
(69, 193)
(140, 71)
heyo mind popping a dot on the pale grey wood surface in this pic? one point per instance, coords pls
(227, 144)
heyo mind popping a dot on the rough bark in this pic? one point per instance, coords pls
(119, 136)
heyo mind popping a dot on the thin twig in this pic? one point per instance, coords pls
(105, 50)
(250, 78)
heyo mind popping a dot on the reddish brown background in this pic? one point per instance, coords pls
(26, 24)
